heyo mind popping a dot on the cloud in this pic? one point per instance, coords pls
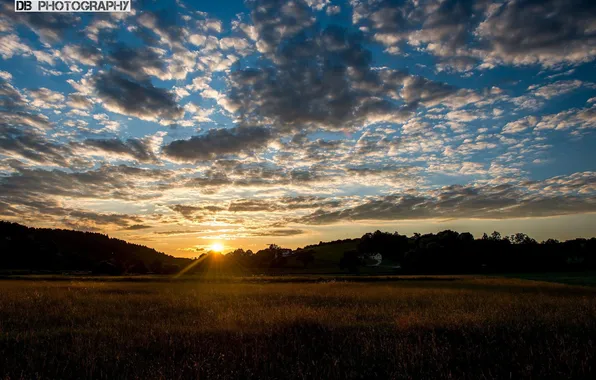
(190, 212)
(40, 208)
(441, 28)
(136, 227)
(85, 219)
(574, 118)
(79, 101)
(11, 45)
(583, 118)
(209, 182)
(46, 98)
(385, 172)
(421, 90)
(176, 232)
(164, 26)
(318, 78)
(31, 145)
(192, 249)
(464, 33)
(84, 54)
(251, 205)
(555, 89)
(139, 63)
(122, 95)
(100, 25)
(240, 45)
(218, 142)
(549, 32)
(521, 124)
(208, 24)
(333, 10)
(306, 202)
(107, 182)
(321, 78)
(16, 111)
(135, 149)
(257, 208)
(279, 232)
(555, 196)
(50, 27)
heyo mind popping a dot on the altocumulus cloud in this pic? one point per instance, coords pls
(464, 33)
(555, 196)
(139, 99)
(133, 148)
(218, 142)
(309, 113)
(318, 78)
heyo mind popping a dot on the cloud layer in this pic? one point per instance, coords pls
(290, 116)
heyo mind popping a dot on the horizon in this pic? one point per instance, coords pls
(182, 125)
(220, 248)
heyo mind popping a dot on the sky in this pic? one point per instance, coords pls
(184, 124)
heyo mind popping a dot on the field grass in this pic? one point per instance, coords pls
(418, 328)
(571, 278)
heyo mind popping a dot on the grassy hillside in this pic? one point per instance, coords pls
(327, 255)
(48, 249)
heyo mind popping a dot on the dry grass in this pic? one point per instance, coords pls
(469, 328)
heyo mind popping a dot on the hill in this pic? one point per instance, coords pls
(45, 249)
(328, 254)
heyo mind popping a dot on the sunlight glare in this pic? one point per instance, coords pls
(217, 247)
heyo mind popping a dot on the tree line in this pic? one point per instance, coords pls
(271, 257)
(452, 252)
(42, 249)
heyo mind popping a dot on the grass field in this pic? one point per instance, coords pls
(570, 278)
(468, 327)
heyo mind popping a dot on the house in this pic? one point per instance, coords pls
(372, 259)
(284, 253)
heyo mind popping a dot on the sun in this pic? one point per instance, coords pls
(217, 247)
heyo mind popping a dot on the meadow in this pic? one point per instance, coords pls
(466, 327)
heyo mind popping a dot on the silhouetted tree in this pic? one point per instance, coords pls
(351, 261)
(156, 266)
(267, 257)
(138, 267)
(107, 268)
(390, 246)
(305, 256)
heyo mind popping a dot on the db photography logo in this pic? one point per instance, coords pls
(72, 6)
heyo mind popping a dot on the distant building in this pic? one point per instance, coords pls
(284, 253)
(372, 259)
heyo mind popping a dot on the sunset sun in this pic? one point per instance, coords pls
(217, 247)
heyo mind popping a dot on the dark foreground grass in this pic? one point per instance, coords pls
(468, 328)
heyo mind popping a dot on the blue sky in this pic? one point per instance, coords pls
(185, 123)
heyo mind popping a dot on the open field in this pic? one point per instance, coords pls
(570, 278)
(449, 327)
